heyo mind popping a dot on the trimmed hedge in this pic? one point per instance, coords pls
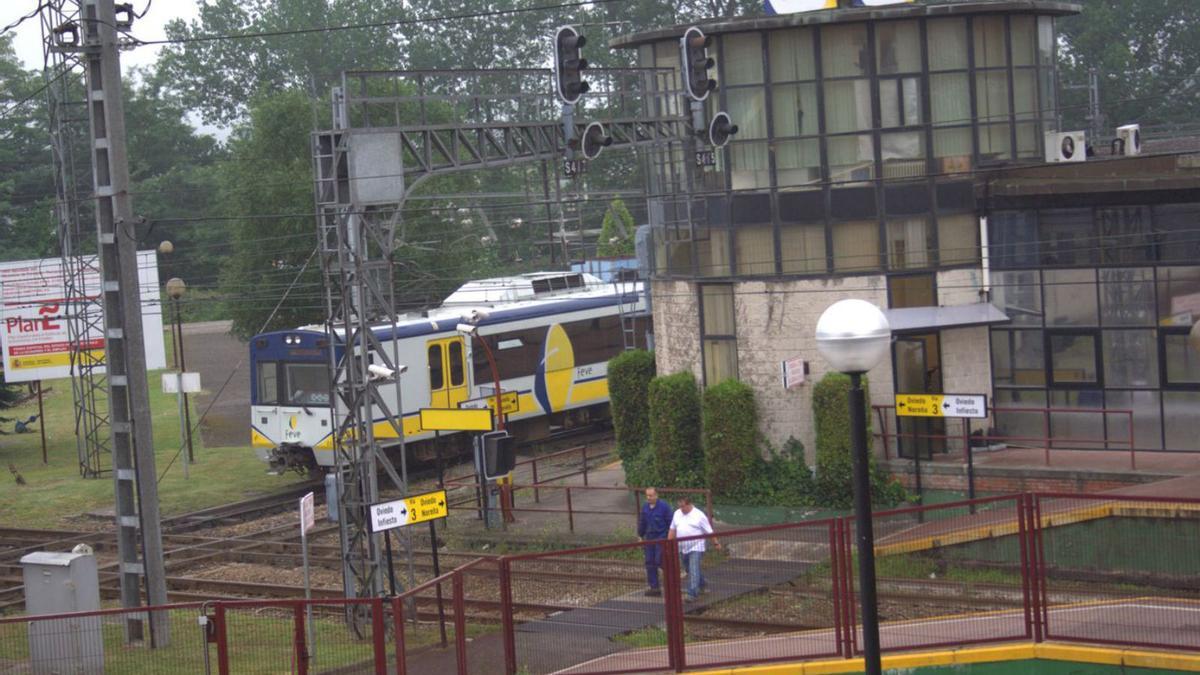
(730, 436)
(629, 376)
(674, 406)
(834, 483)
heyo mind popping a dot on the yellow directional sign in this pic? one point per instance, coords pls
(941, 405)
(456, 419)
(409, 511)
(919, 405)
(510, 403)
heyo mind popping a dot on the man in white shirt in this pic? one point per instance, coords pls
(690, 521)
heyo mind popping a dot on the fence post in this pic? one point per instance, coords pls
(379, 636)
(460, 623)
(835, 590)
(398, 629)
(1026, 567)
(537, 494)
(708, 503)
(300, 653)
(570, 513)
(1132, 451)
(506, 618)
(222, 641)
(1046, 431)
(585, 465)
(673, 608)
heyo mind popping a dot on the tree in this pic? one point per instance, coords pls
(266, 188)
(220, 78)
(617, 231)
(27, 228)
(1147, 54)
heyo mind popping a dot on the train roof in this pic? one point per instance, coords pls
(508, 299)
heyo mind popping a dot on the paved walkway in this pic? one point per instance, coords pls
(1161, 621)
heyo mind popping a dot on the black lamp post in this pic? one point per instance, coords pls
(175, 289)
(854, 336)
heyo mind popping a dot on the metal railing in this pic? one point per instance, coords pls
(570, 493)
(1047, 441)
(1095, 568)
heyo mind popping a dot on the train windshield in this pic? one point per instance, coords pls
(268, 383)
(307, 383)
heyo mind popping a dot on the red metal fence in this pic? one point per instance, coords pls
(1021, 417)
(1091, 568)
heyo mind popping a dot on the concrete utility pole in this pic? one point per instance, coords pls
(134, 474)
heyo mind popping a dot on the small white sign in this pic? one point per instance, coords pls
(793, 372)
(308, 517)
(190, 383)
(389, 515)
(964, 405)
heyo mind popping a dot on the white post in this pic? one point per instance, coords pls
(307, 520)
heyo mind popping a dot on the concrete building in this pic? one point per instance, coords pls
(879, 151)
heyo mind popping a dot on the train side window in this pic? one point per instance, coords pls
(268, 383)
(436, 378)
(455, 351)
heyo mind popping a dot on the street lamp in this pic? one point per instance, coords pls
(471, 330)
(854, 336)
(175, 290)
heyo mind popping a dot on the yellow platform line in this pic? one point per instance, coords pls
(1046, 651)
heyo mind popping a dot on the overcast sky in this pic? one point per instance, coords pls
(28, 40)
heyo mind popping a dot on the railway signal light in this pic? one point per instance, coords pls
(695, 62)
(720, 129)
(499, 454)
(595, 140)
(569, 64)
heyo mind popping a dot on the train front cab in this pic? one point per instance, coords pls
(289, 398)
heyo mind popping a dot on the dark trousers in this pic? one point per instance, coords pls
(653, 555)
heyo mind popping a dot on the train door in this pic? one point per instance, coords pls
(447, 361)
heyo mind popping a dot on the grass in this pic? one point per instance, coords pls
(260, 641)
(650, 636)
(55, 493)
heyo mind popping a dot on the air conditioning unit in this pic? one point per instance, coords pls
(1066, 146)
(1129, 140)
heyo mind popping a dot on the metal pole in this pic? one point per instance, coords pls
(387, 545)
(187, 413)
(134, 472)
(437, 572)
(970, 461)
(312, 645)
(182, 423)
(42, 423)
(863, 527)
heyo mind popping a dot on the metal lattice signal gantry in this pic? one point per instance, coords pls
(384, 144)
(66, 103)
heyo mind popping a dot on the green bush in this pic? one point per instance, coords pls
(730, 435)
(641, 468)
(834, 483)
(674, 406)
(781, 478)
(629, 375)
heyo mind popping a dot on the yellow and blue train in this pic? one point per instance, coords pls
(552, 334)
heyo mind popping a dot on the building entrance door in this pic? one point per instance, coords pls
(919, 371)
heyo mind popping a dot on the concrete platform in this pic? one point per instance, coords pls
(1025, 469)
(1160, 621)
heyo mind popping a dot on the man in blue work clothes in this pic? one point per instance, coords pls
(653, 523)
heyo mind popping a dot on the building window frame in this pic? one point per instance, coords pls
(722, 337)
